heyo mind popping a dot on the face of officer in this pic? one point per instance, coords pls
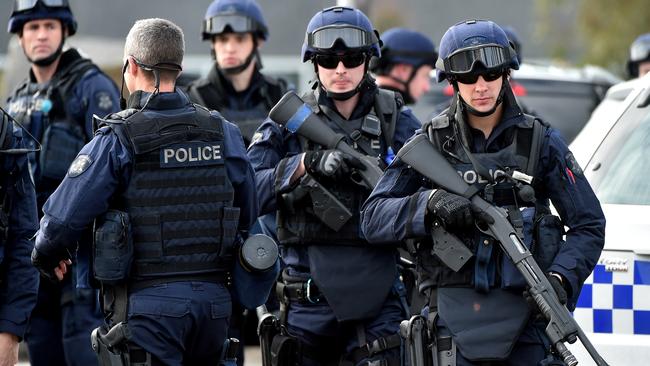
(41, 38)
(232, 49)
(420, 83)
(482, 94)
(644, 68)
(340, 73)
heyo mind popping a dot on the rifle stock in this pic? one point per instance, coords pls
(292, 112)
(422, 156)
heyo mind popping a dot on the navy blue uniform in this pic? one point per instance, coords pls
(354, 299)
(19, 279)
(397, 210)
(59, 114)
(176, 321)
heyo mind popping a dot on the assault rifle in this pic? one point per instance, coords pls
(422, 156)
(297, 117)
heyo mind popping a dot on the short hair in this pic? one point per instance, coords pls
(156, 41)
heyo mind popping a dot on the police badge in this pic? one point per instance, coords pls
(79, 165)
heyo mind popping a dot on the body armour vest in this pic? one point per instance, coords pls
(520, 154)
(298, 224)
(211, 93)
(179, 197)
(43, 110)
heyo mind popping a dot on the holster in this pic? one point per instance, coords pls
(110, 344)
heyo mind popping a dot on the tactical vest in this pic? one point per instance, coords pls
(179, 197)
(298, 225)
(41, 108)
(521, 154)
(249, 119)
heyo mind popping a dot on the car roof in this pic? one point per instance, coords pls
(603, 118)
(547, 70)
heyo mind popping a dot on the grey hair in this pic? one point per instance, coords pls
(153, 41)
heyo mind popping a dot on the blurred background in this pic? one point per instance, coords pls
(575, 32)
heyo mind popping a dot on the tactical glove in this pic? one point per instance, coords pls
(453, 210)
(331, 163)
(47, 263)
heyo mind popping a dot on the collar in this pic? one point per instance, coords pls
(170, 100)
(67, 60)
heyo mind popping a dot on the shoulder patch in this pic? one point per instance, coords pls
(257, 136)
(103, 100)
(79, 165)
(572, 164)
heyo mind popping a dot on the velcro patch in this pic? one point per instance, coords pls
(79, 165)
(191, 154)
(573, 165)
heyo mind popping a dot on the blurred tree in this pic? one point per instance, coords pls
(591, 31)
(609, 27)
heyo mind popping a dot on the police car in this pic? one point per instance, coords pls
(614, 149)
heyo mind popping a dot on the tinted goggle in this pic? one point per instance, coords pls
(352, 37)
(350, 61)
(236, 22)
(464, 60)
(24, 5)
(472, 77)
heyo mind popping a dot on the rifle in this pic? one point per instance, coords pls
(292, 112)
(422, 156)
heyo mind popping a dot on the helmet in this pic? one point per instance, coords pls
(514, 39)
(340, 27)
(405, 46)
(639, 52)
(28, 10)
(473, 44)
(239, 16)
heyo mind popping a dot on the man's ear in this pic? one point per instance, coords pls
(133, 67)
(260, 43)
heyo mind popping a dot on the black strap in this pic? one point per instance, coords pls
(375, 347)
(539, 131)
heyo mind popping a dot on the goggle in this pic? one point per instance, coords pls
(237, 23)
(24, 5)
(350, 61)
(352, 37)
(639, 52)
(464, 60)
(472, 77)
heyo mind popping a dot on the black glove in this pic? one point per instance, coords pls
(331, 163)
(559, 289)
(47, 263)
(453, 210)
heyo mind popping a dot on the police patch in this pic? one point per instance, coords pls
(79, 165)
(256, 137)
(104, 101)
(572, 164)
(191, 154)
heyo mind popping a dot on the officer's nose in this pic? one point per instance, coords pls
(340, 68)
(481, 84)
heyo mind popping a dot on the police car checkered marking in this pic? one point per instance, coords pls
(616, 302)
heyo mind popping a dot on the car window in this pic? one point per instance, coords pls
(621, 165)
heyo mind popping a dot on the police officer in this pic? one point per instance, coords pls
(56, 104)
(340, 296)
(171, 186)
(639, 61)
(18, 222)
(492, 145)
(407, 58)
(235, 86)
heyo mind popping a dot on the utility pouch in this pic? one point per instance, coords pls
(61, 144)
(112, 247)
(326, 206)
(547, 240)
(285, 350)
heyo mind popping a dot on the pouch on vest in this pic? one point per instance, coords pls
(229, 226)
(61, 144)
(543, 237)
(285, 350)
(112, 247)
(510, 276)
